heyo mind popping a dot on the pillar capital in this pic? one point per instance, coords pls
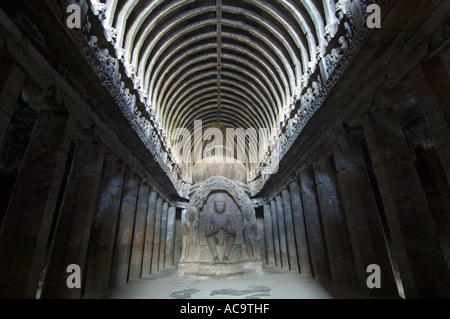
(351, 130)
(137, 166)
(347, 151)
(112, 154)
(291, 179)
(48, 98)
(145, 180)
(303, 168)
(324, 165)
(83, 133)
(392, 97)
(323, 153)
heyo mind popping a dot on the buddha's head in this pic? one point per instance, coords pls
(219, 204)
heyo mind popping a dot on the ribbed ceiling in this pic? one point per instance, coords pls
(227, 63)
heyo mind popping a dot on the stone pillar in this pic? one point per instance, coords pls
(276, 237)
(261, 234)
(24, 236)
(313, 222)
(75, 221)
(437, 191)
(12, 79)
(300, 228)
(157, 236)
(137, 246)
(103, 233)
(268, 231)
(282, 232)
(178, 239)
(149, 232)
(290, 234)
(183, 220)
(182, 224)
(340, 251)
(421, 262)
(122, 245)
(363, 220)
(170, 239)
(162, 249)
(431, 85)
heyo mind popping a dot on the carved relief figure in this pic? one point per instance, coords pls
(250, 233)
(220, 229)
(190, 234)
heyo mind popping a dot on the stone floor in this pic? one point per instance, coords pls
(274, 284)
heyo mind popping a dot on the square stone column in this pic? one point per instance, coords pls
(262, 243)
(363, 220)
(268, 232)
(431, 85)
(137, 246)
(74, 224)
(170, 237)
(178, 242)
(290, 233)
(122, 245)
(103, 233)
(300, 228)
(421, 262)
(340, 251)
(282, 232)
(162, 241)
(313, 222)
(157, 236)
(24, 237)
(276, 237)
(149, 233)
(179, 234)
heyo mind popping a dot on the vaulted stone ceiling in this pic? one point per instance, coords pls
(231, 64)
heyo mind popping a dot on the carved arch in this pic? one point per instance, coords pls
(219, 183)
